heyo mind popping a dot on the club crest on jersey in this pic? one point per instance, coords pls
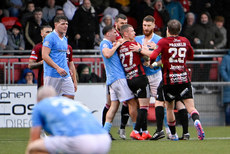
(105, 46)
(46, 43)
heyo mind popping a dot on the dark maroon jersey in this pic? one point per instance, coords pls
(174, 51)
(36, 54)
(131, 61)
(69, 54)
(118, 35)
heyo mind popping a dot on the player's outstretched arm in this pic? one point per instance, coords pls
(143, 50)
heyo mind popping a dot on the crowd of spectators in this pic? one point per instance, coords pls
(88, 17)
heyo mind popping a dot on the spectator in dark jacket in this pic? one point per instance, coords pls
(15, 39)
(85, 75)
(32, 29)
(187, 30)
(206, 35)
(85, 26)
(27, 13)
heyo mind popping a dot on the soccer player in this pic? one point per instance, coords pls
(175, 50)
(72, 127)
(120, 20)
(35, 60)
(115, 78)
(56, 70)
(150, 39)
(137, 80)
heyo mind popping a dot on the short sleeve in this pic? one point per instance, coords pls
(36, 117)
(48, 41)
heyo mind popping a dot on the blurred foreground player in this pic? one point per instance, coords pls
(72, 127)
(175, 50)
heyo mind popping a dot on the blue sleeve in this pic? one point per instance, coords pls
(36, 117)
(103, 45)
(223, 69)
(48, 41)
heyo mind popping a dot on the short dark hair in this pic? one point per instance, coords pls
(106, 29)
(45, 26)
(59, 9)
(124, 28)
(174, 27)
(149, 18)
(37, 9)
(120, 16)
(58, 18)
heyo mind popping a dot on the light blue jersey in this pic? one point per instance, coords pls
(58, 51)
(155, 38)
(113, 67)
(60, 116)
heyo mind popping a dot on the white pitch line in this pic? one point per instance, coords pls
(213, 138)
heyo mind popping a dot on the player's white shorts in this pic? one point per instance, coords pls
(154, 81)
(85, 144)
(119, 90)
(63, 86)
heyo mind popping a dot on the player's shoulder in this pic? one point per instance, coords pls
(139, 37)
(105, 44)
(38, 46)
(69, 47)
(183, 38)
(157, 37)
(163, 40)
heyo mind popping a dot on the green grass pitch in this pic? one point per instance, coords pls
(217, 140)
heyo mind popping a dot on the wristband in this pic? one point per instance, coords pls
(154, 64)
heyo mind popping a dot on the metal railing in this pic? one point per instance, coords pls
(95, 62)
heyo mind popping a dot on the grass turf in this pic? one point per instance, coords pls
(217, 140)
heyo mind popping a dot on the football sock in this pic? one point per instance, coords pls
(105, 110)
(195, 115)
(124, 116)
(172, 127)
(159, 117)
(139, 121)
(134, 125)
(107, 126)
(183, 116)
(144, 124)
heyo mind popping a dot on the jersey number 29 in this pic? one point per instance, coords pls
(178, 55)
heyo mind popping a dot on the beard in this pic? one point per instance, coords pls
(148, 33)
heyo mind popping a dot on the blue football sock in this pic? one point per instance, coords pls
(107, 126)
